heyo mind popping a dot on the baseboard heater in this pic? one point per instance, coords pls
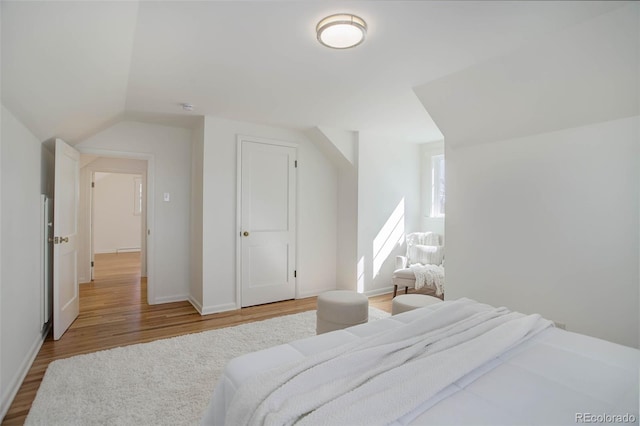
(127, 249)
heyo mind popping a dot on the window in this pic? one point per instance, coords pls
(432, 186)
(437, 185)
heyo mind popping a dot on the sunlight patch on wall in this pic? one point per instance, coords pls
(391, 234)
(360, 272)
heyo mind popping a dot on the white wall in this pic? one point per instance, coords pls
(347, 234)
(197, 153)
(549, 224)
(317, 201)
(3, 402)
(340, 147)
(344, 141)
(170, 151)
(317, 220)
(21, 302)
(388, 207)
(116, 224)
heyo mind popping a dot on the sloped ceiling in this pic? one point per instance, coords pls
(70, 69)
(588, 73)
(65, 65)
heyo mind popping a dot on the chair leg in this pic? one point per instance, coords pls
(406, 290)
(395, 290)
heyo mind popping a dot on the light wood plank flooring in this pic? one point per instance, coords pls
(114, 312)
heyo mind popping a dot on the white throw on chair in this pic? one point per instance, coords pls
(422, 266)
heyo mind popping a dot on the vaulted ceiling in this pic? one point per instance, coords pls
(70, 69)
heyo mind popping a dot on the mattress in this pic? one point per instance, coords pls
(556, 377)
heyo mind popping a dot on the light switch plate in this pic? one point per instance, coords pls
(167, 196)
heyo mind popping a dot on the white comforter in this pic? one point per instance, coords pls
(379, 380)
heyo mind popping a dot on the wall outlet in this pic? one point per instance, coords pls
(167, 197)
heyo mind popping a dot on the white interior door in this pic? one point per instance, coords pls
(66, 299)
(267, 222)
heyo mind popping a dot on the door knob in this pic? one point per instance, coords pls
(245, 233)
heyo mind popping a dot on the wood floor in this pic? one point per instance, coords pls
(114, 312)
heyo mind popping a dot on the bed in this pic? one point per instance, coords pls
(539, 375)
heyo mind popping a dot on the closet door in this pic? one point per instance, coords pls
(267, 231)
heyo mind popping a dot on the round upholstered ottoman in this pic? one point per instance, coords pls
(341, 309)
(409, 302)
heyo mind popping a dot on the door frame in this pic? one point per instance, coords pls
(245, 138)
(150, 212)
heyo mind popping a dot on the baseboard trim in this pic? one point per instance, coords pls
(117, 251)
(197, 305)
(379, 291)
(207, 310)
(14, 387)
(170, 299)
(313, 293)
(370, 293)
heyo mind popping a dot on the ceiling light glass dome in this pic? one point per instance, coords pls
(341, 31)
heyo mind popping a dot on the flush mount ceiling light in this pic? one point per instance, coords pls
(341, 31)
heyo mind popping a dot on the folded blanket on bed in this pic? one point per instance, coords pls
(379, 379)
(429, 275)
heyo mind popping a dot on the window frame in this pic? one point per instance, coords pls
(438, 185)
(427, 152)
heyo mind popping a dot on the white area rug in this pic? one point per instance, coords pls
(166, 382)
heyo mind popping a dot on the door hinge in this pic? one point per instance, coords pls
(295, 164)
(93, 184)
(92, 263)
(295, 274)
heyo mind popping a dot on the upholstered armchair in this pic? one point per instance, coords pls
(422, 266)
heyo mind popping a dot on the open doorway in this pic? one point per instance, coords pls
(116, 224)
(113, 223)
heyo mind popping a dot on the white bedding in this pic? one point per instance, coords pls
(553, 378)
